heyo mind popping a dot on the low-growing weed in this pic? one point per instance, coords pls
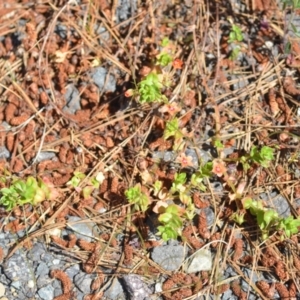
(92, 184)
(150, 88)
(20, 192)
(262, 157)
(268, 219)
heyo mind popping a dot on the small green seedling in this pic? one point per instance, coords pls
(235, 34)
(21, 192)
(262, 157)
(171, 223)
(198, 177)
(172, 129)
(90, 186)
(149, 89)
(235, 37)
(269, 220)
(289, 226)
(135, 196)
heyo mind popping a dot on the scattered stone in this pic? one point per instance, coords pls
(83, 282)
(125, 10)
(72, 271)
(169, 257)
(72, 97)
(81, 230)
(200, 261)
(135, 287)
(115, 290)
(44, 156)
(210, 215)
(36, 252)
(4, 153)
(98, 76)
(18, 268)
(46, 292)
(277, 202)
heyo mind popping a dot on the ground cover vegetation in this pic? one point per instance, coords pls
(197, 108)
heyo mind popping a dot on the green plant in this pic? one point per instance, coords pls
(235, 34)
(149, 89)
(268, 219)
(294, 4)
(135, 196)
(21, 192)
(289, 226)
(92, 184)
(198, 177)
(262, 157)
(171, 223)
(235, 37)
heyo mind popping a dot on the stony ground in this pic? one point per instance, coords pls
(149, 149)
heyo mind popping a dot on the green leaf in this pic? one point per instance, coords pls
(167, 233)
(157, 186)
(172, 127)
(135, 196)
(165, 217)
(270, 216)
(164, 59)
(165, 42)
(206, 170)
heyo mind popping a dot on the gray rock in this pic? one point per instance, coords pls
(199, 261)
(44, 156)
(277, 202)
(102, 33)
(4, 153)
(43, 281)
(61, 30)
(125, 9)
(72, 97)
(16, 284)
(98, 76)
(135, 287)
(164, 155)
(229, 272)
(239, 82)
(47, 258)
(83, 282)
(36, 252)
(84, 231)
(17, 267)
(217, 186)
(115, 290)
(57, 292)
(169, 257)
(210, 215)
(42, 269)
(228, 295)
(46, 292)
(72, 271)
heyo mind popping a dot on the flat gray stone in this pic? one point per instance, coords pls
(200, 261)
(98, 76)
(83, 282)
(169, 257)
(72, 97)
(115, 290)
(136, 288)
(46, 292)
(81, 230)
